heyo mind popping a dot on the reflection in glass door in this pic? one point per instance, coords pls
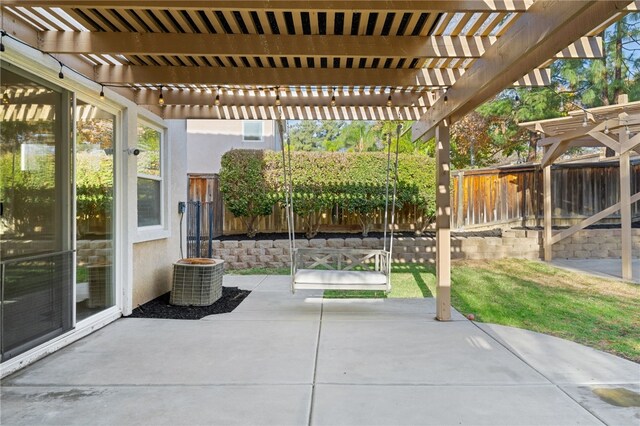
(35, 219)
(94, 209)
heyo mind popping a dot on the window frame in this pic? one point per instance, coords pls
(244, 133)
(161, 230)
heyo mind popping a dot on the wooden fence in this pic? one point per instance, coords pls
(205, 189)
(505, 196)
(514, 195)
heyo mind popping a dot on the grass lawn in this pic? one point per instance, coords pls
(601, 313)
(82, 275)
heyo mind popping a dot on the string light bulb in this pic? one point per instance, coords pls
(61, 74)
(5, 99)
(102, 91)
(278, 103)
(446, 98)
(606, 129)
(216, 101)
(627, 131)
(333, 97)
(161, 98)
(2, 34)
(389, 101)
(584, 121)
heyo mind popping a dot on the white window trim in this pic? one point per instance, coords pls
(163, 230)
(261, 131)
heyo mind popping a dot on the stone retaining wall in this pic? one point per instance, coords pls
(595, 244)
(94, 252)
(275, 253)
(591, 243)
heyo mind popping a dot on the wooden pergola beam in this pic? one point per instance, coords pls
(287, 97)
(287, 5)
(249, 112)
(263, 45)
(285, 45)
(130, 74)
(565, 233)
(530, 41)
(270, 77)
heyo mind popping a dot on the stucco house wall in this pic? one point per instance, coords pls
(153, 260)
(207, 140)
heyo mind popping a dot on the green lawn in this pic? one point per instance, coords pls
(82, 275)
(604, 314)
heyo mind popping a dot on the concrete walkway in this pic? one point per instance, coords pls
(605, 268)
(280, 359)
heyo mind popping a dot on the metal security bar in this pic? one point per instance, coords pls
(203, 219)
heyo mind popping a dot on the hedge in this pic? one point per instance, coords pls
(252, 183)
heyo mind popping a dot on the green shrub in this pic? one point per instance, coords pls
(353, 181)
(244, 188)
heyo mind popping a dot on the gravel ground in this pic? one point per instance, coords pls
(160, 307)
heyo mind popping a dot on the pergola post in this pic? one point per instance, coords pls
(547, 213)
(443, 224)
(625, 210)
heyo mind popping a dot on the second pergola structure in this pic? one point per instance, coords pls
(616, 127)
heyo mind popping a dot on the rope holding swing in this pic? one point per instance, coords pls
(334, 268)
(288, 188)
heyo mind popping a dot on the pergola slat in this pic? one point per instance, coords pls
(296, 112)
(374, 5)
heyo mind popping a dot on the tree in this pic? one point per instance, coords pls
(492, 131)
(599, 82)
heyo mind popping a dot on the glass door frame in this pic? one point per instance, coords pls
(118, 239)
(64, 217)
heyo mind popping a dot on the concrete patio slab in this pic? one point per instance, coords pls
(587, 396)
(562, 361)
(279, 283)
(244, 282)
(411, 352)
(166, 405)
(605, 268)
(383, 310)
(272, 305)
(285, 359)
(446, 405)
(148, 351)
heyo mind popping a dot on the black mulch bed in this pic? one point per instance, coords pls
(160, 307)
(326, 235)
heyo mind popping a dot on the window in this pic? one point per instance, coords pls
(150, 176)
(252, 131)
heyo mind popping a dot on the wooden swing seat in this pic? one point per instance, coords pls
(341, 269)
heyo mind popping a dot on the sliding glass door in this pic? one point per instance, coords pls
(36, 254)
(95, 142)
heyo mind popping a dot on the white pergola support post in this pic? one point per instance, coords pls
(547, 214)
(625, 199)
(625, 213)
(443, 224)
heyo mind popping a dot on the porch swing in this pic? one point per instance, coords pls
(340, 268)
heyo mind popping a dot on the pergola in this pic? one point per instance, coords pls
(429, 61)
(615, 127)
